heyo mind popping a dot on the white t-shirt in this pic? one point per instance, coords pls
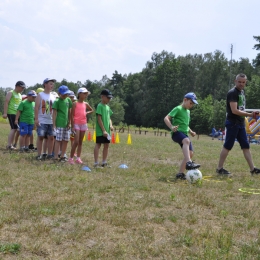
(45, 108)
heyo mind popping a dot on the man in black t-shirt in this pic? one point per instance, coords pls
(235, 126)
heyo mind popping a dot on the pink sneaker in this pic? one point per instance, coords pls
(71, 161)
(79, 161)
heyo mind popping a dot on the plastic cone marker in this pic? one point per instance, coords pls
(84, 138)
(94, 136)
(89, 136)
(86, 168)
(129, 141)
(123, 166)
(117, 138)
(113, 138)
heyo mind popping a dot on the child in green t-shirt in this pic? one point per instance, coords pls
(61, 122)
(103, 126)
(178, 121)
(26, 113)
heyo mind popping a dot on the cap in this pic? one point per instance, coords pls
(83, 90)
(24, 97)
(106, 92)
(192, 96)
(55, 94)
(71, 94)
(48, 79)
(38, 90)
(31, 93)
(20, 84)
(63, 90)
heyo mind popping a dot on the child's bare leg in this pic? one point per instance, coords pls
(96, 152)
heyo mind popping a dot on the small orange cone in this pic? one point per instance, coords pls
(89, 136)
(129, 141)
(113, 138)
(117, 138)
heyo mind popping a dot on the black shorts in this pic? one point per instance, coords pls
(102, 140)
(11, 118)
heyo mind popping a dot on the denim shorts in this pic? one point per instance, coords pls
(25, 129)
(235, 131)
(45, 130)
(177, 137)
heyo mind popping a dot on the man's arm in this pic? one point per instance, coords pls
(7, 100)
(233, 106)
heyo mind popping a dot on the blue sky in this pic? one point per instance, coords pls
(86, 39)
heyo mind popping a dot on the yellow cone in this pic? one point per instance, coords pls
(94, 136)
(117, 138)
(84, 138)
(129, 141)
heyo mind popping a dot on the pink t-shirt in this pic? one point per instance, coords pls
(80, 113)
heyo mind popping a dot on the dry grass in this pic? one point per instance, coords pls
(58, 211)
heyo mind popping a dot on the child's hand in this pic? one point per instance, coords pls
(111, 128)
(192, 133)
(175, 128)
(105, 133)
(16, 122)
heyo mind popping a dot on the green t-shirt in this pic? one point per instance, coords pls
(27, 112)
(62, 106)
(181, 117)
(14, 102)
(105, 112)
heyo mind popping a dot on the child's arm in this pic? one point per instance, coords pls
(111, 125)
(36, 109)
(100, 122)
(72, 116)
(69, 118)
(18, 113)
(167, 121)
(54, 115)
(89, 108)
(7, 100)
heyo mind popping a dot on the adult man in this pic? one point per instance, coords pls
(43, 117)
(12, 101)
(235, 126)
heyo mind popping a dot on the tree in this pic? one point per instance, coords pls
(256, 61)
(252, 97)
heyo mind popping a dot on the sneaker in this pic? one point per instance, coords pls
(191, 165)
(105, 165)
(27, 150)
(11, 148)
(21, 150)
(49, 156)
(38, 158)
(71, 161)
(97, 166)
(63, 159)
(31, 147)
(255, 171)
(180, 176)
(223, 172)
(78, 161)
(44, 155)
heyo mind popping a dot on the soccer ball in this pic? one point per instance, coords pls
(194, 176)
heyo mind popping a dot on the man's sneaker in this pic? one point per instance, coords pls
(223, 172)
(78, 161)
(255, 171)
(71, 161)
(191, 165)
(105, 165)
(180, 176)
(38, 158)
(44, 155)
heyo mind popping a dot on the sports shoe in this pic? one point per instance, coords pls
(44, 155)
(105, 165)
(71, 161)
(11, 148)
(78, 161)
(38, 158)
(49, 156)
(63, 159)
(27, 150)
(97, 166)
(21, 150)
(191, 165)
(180, 176)
(223, 172)
(255, 171)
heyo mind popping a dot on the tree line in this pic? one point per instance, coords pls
(143, 99)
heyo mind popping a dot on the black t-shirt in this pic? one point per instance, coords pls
(235, 95)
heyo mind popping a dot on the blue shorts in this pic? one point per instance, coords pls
(25, 129)
(177, 137)
(235, 131)
(45, 130)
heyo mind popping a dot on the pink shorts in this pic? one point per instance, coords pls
(82, 127)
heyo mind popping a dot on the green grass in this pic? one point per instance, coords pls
(58, 211)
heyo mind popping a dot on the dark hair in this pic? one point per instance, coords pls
(241, 75)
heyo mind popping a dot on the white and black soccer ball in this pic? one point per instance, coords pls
(194, 176)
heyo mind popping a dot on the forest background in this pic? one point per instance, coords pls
(143, 99)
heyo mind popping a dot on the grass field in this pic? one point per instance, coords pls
(58, 211)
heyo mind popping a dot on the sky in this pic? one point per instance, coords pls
(81, 40)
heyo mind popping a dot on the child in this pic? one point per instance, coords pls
(103, 127)
(73, 99)
(178, 121)
(79, 112)
(61, 122)
(26, 113)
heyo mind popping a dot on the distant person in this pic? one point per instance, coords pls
(213, 132)
(178, 121)
(80, 110)
(25, 112)
(61, 122)
(103, 127)
(12, 101)
(235, 126)
(43, 117)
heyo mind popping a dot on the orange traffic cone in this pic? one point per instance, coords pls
(89, 136)
(113, 138)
